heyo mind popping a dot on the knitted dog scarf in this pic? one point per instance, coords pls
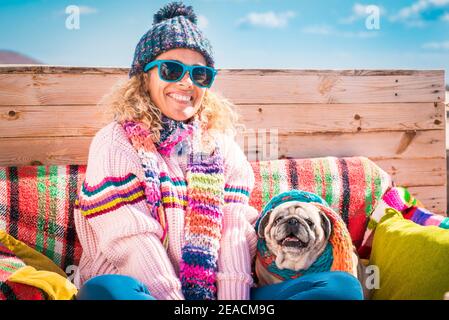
(337, 255)
(205, 199)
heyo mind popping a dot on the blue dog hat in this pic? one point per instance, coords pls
(292, 195)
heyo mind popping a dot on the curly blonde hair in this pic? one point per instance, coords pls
(130, 100)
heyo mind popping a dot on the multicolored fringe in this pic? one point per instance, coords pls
(351, 186)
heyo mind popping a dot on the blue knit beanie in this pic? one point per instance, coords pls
(291, 195)
(174, 26)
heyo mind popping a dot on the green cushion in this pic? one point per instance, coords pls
(413, 260)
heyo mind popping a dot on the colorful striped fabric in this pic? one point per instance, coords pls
(236, 194)
(110, 194)
(37, 202)
(351, 186)
(203, 225)
(10, 263)
(400, 199)
(36, 207)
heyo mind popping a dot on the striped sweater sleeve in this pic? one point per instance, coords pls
(112, 199)
(238, 242)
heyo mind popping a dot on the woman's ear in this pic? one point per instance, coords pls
(146, 79)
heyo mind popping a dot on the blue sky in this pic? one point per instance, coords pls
(318, 34)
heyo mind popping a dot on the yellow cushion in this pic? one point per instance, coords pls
(55, 286)
(39, 272)
(28, 255)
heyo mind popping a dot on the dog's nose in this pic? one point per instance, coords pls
(293, 221)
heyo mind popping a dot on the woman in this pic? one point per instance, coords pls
(163, 212)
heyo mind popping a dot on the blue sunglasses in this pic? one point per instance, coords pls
(173, 71)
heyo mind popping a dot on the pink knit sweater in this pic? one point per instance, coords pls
(126, 240)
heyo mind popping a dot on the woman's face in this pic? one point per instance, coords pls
(163, 94)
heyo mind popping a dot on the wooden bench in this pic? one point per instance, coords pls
(396, 118)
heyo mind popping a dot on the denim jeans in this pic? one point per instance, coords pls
(333, 285)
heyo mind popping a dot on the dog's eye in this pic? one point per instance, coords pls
(309, 222)
(277, 220)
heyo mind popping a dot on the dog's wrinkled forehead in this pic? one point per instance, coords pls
(296, 207)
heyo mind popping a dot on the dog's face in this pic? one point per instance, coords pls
(296, 232)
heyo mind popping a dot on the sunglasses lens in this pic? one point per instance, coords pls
(171, 71)
(202, 76)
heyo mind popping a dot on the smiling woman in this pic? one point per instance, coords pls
(163, 212)
(166, 183)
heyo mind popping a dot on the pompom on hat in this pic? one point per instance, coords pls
(174, 26)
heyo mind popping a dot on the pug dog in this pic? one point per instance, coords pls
(297, 233)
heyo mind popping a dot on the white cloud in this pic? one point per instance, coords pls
(326, 30)
(361, 11)
(444, 45)
(268, 19)
(414, 11)
(203, 22)
(445, 17)
(439, 2)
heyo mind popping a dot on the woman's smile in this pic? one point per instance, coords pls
(181, 99)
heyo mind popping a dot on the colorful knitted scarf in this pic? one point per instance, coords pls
(204, 185)
(337, 255)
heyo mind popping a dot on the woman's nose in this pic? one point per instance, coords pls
(186, 79)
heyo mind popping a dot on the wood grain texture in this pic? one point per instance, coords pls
(55, 89)
(52, 121)
(415, 172)
(433, 197)
(49, 150)
(73, 120)
(74, 150)
(340, 118)
(288, 87)
(45, 69)
(273, 86)
(377, 145)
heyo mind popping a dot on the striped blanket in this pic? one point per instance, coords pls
(36, 202)
(36, 207)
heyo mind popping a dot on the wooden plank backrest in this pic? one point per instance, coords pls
(395, 117)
